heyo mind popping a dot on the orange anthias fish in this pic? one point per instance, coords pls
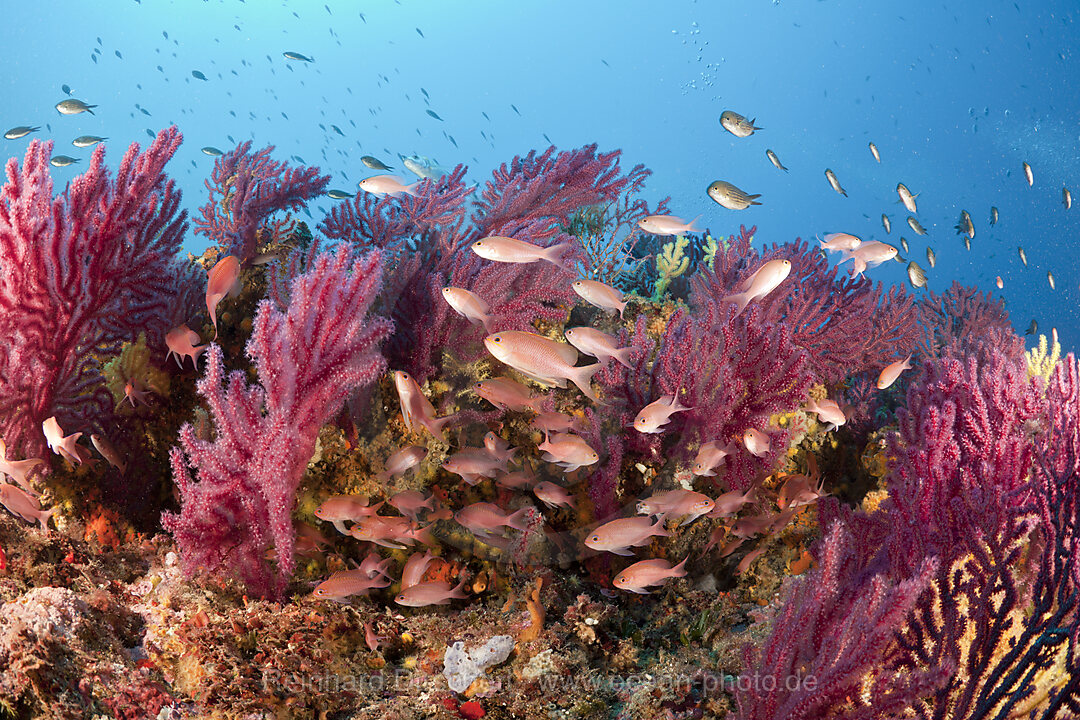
(618, 536)
(380, 185)
(431, 593)
(553, 495)
(598, 344)
(602, 296)
(645, 573)
(756, 442)
(709, 457)
(568, 451)
(469, 305)
(222, 279)
(181, 342)
(17, 469)
(340, 508)
(681, 503)
(546, 361)
(415, 407)
(868, 255)
(401, 461)
(509, 250)
(828, 411)
(415, 567)
(25, 505)
(507, 394)
(840, 242)
(891, 372)
(766, 279)
(63, 445)
(345, 583)
(108, 451)
(654, 416)
(668, 225)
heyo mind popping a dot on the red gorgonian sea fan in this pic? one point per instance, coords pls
(246, 189)
(307, 358)
(80, 273)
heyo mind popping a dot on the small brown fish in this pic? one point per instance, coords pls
(737, 125)
(914, 224)
(906, 197)
(833, 182)
(931, 257)
(885, 223)
(1033, 328)
(731, 197)
(1050, 279)
(916, 275)
(1066, 198)
(775, 160)
(374, 163)
(1023, 255)
(993, 215)
(21, 131)
(903, 244)
(1029, 174)
(874, 152)
(965, 226)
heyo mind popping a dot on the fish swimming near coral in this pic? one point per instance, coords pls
(731, 197)
(601, 295)
(647, 573)
(764, 280)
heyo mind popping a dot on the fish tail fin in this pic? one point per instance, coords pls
(693, 225)
(658, 529)
(554, 254)
(622, 356)
(44, 515)
(520, 519)
(680, 569)
(411, 188)
(622, 308)
(741, 300)
(755, 126)
(582, 377)
(907, 362)
(458, 593)
(437, 426)
(753, 198)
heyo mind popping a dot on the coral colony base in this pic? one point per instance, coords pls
(367, 471)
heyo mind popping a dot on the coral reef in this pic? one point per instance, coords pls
(370, 502)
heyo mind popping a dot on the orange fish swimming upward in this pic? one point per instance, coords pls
(222, 279)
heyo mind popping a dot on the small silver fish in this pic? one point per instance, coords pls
(885, 223)
(736, 124)
(85, 141)
(1029, 175)
(374, 163)
(1050, 278)
(338, 195)
(775, 160)
(212, 151)
(71, 106)
(930, 256)
(874, 152)
(1023, 255)
(731, 197)
(919, 230)
(993, 215)
(62, 160)
(1032, 328)
(916, 275)
(906, 197)
(1066, 198)
(903, 244)
(290, 55)
(20, 131)
(967, 243)
(831, 177)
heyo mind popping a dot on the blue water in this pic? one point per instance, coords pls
(955, 96)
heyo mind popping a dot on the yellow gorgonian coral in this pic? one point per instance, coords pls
(1042, 359)
(670, 264)
(133, 363)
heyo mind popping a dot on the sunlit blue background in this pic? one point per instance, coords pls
(956, 96)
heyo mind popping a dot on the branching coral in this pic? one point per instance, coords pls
(79, 274)
(306, 358)
(1043, 358)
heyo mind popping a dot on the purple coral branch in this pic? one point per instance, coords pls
(307, 358)
(246, 189)
(79, 274)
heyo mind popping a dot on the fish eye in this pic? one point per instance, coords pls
(496, 339)
(594, 538)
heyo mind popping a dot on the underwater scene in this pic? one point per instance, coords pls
(545, 360)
